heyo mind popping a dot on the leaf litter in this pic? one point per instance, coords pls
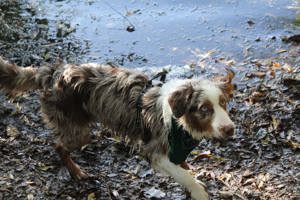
(261, 161)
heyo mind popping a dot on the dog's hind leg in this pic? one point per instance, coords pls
(72, 167)
(182, 176)
(72, 137)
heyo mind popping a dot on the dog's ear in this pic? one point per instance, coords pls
(226, 83)
(180, 100)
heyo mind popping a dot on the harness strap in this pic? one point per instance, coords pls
(139, 103)
(181, 143)
(162, 75)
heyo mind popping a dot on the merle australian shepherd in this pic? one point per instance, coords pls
(75, 96)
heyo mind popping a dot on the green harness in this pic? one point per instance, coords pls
(181, 143)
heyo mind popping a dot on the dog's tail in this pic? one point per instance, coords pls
(14, 79)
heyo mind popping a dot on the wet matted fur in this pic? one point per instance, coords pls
(75, 96)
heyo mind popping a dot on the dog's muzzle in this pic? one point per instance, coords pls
(227, 130)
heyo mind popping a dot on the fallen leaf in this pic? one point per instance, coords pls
(226, 194)
(30, 197)
(84, 147)
(11, 176)
(202, 56)
(288, 68)
(258, 94)
(247, 173)
(144, 174)
(295, 145)
(205, 154)
(46, 168)
(272, 73)
(257, 74)
(130, 13)
(281, 51)
(91, 196)
(256, 97)
(30, 183)
(276, 65)
(116, 194)
(260, 184)
(112, 175)
(249, 181)
(154, 193)
(12, 131)
(275, 122)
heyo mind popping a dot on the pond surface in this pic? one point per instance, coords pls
(173, 32)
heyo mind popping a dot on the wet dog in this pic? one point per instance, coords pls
(75, 96)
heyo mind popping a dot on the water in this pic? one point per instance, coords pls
(168, 32)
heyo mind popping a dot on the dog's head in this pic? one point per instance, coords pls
(200, 107)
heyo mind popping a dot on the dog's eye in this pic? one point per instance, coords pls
(204, 108)
(223, 103)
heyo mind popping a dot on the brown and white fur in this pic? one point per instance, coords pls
(75, 96)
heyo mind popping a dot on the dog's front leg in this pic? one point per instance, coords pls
(182, 176)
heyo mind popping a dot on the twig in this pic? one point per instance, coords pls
(109, 190)
(234, 192)
(118, 12)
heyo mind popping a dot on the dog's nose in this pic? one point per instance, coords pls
(227, 130)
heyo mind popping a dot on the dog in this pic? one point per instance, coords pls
(73, 97)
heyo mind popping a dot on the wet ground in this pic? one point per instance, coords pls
(190, 38)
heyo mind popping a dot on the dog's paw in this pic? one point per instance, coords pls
(81, 176)
(199, 193)
(201, 184)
